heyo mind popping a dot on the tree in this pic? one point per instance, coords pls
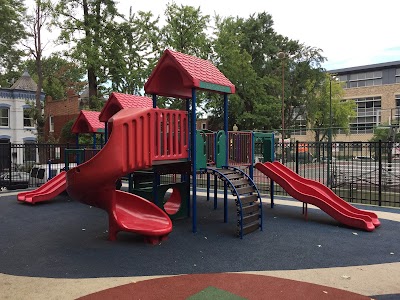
(35, 23)
(251, 107)
(318, 108)
(132, 53)
(87, 26)
(186, 30)
(12, 31)
(59, 75)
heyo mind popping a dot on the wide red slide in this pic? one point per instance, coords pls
(46, 191)
(315, 193)
(138, 138)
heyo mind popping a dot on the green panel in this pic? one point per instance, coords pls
(214, 87)
(269, 148)
(220, 159)
(201, 148)
(214, 293)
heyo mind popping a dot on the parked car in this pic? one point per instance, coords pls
(18, 180)
(364, 158)
(325, 159)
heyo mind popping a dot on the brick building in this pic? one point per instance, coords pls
(57, 113)
(376, 90)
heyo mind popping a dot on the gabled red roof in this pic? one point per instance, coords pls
(176, 74)
(118, 101)
(88, 122)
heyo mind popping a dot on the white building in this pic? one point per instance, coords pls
(16, 125)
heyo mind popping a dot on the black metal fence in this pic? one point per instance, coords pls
(361, 172)
(18, 160)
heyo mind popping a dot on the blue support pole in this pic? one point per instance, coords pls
(187, 176)
(251, 171)
(208, 186)
(154, 97)
(105, 132)
(94, 141)
(193, 157)
(77, 140)
(226, 158)
(215, 192)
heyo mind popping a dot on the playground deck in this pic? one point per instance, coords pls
(59, 250)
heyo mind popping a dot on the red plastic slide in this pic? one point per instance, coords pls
(46, 191)
(315, 193)
(138, 138)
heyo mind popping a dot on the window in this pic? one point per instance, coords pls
(4, 116)
(398, 75)
(51, 124)
(300, 126)
(396, 112)
(203, 126)
(366, 79)
(368, 115)
(28, 120)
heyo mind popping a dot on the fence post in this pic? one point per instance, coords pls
(297, 157)
(380, 173)
(10, 162)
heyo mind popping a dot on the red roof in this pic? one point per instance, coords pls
(176, 74)
(118, 101)
(88, 122)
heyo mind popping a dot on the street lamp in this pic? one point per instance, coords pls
(281, 56)
(331, 77)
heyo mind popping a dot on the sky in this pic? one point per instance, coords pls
(349, 32)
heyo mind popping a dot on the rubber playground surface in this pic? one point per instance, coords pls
(59, 250)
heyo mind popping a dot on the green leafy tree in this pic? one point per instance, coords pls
(321, 97)
(59, 75)
(87, 27)
(186, 30)
(12, 32)
(132, 53)
(385, 133)
(250, 107)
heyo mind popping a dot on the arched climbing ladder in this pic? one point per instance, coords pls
(248, 200)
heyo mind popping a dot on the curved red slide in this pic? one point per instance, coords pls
(136, 141)
(315, 193)
(46, 191)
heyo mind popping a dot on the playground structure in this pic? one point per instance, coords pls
(144, 142)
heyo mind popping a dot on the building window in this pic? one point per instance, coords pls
(51, 124)
(4, 116)
(368, 115)
(28, 120)
(395, 118)
(365, 79)
(203, 126)
(398, 75)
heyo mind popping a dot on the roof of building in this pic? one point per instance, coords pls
(118, 101)
(384, 65)
(25, 82)
(176, 74)
(88, 122)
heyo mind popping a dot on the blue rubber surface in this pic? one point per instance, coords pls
(66, 239)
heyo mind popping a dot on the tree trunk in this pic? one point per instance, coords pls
(39, 71)
(91, 72)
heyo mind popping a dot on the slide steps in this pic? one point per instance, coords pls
(248, 200)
